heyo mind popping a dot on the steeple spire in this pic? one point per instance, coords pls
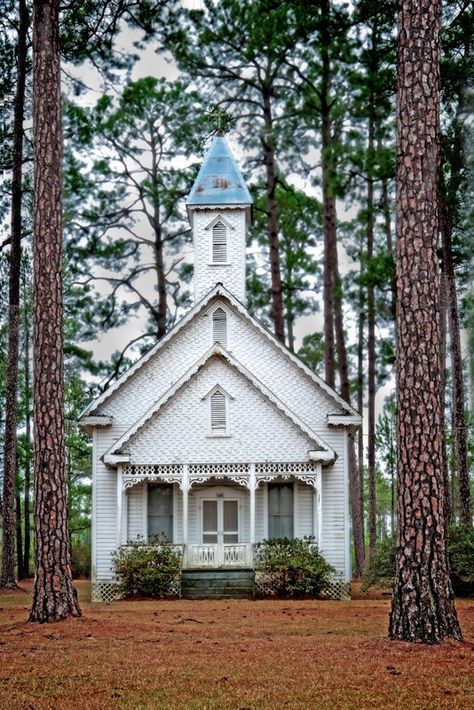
(219, 181)
(219, 212)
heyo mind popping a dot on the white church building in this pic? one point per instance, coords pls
(219, 437)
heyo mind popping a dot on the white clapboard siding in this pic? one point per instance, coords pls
(260, 526)
(105, 509)
(304, 510)
(219, 243)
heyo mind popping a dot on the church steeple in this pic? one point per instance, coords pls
(219, 212)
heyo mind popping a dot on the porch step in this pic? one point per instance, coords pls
(217, 584)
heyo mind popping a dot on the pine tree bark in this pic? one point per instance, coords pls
(19, 539)
(371, 339)
(354, 477)
(7, 576)
(54, 596)
(448, 505)
(422, 604)
(272, 219)
(27, 493)
(459, 415)
(360, 395)
(329, 203)
(162, 311)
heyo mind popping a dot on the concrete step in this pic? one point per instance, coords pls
(222, 584)
(196, 583)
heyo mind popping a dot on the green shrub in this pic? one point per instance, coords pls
(461, 560)
(380, 568)
(81, 560)
(146, 571)
(296, 567)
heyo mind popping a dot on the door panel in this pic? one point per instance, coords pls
(220, 521)
(210, 522)
(230, 514)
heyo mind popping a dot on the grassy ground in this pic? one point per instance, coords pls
(240, 655)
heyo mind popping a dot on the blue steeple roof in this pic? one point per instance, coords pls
(219, 181)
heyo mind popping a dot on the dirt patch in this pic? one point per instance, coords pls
(237, 654)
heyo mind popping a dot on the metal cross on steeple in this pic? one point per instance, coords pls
(220, 119)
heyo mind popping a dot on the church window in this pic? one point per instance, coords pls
(219, 327)
(280, 510)
(218, 413)
(219, 243)
(160, 512)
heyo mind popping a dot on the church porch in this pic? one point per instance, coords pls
(215, 513)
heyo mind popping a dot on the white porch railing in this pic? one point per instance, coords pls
(219, 555)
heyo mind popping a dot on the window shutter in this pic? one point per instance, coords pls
(219, 243)
(219, 327)
(218, 413)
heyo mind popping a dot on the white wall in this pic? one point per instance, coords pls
(181, 430)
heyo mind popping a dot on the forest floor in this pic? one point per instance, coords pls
(219, 655)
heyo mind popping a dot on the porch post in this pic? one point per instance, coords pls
(252, 504)
(318, 509)
(185, 488)
(119, 504)
(252, 485)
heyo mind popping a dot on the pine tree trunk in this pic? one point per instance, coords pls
(162, 310)
(26, 504)
(448, 504)
(329, 204)
(360, 397)
(388, 235)
(354, 477)
(7, 575)
(54, 596)
(422, 603)
(272, 220)
(461, 464)
(371, 344)
(19, 539)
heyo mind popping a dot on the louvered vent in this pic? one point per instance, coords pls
(219, 327)
(218, 418)
(219, 246)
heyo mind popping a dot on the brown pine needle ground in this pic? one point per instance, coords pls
(240, 655)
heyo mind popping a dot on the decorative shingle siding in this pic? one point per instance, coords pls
(309, 402)
(231, 274)
(181, 431)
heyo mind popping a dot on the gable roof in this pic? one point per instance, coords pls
(219, 181)
(219, 291)
(323, 451)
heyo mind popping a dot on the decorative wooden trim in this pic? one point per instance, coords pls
(323, 453)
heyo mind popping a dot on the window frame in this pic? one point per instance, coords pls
(229, 227)
(146, 516)
(293, 507)
(217, 307)
(225, 242)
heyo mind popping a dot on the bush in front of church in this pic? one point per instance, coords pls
(293, 568)
(147, 571)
